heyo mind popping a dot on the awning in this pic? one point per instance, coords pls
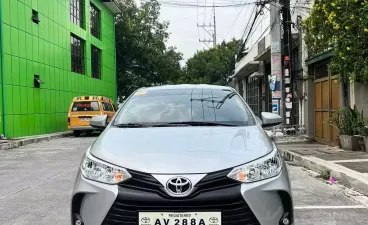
(319, 57)
(112, 6)
(248, 69)
(264, 56)
(256, 75)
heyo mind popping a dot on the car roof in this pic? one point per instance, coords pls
(186, 86)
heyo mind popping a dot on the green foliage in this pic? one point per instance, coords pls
(143, 59)
(343, 26)
(349, 121)
(212, 66)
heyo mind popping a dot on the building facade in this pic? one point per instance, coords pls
(52, 51)
(317, 93)
(254, 69)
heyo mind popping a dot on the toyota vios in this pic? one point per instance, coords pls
(183, 155)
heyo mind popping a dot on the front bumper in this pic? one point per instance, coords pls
(264, 202)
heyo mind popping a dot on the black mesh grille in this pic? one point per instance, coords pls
(146, 182)
(213, 193)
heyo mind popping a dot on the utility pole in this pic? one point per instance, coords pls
(209, 31)
(288, 65)
(214, 26)
(276, 79)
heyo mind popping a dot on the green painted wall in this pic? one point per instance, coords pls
(44, 49)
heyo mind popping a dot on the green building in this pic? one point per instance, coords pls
(52, 51)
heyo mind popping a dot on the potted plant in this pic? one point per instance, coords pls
(349, 122)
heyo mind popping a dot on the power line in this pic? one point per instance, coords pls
(194, 5)
(248, 24)
(199, 37)
(258, 22)
(232, 25)
(250, 30)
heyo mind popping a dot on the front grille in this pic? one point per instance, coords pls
(146, 182)
(213, 193)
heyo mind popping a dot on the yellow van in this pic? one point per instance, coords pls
(84, 108)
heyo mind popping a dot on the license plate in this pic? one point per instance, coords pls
(85, 119)
(188, 218)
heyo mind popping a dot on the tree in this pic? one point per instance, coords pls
(143, 59)
(212, 66)
(341, 25)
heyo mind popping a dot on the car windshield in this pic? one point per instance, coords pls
(214, 106)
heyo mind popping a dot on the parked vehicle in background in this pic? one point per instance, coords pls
(183, 155)
(84, 108)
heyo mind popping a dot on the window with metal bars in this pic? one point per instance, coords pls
(96, 62)
(252, 94)
(95, 21)
(77, 54)
(76, 12)
(240, 87)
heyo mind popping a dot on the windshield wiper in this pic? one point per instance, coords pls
(195, 123)
(129, 125)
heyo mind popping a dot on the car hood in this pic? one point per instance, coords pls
(181, 150)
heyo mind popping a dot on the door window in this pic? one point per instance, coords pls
(105, 107)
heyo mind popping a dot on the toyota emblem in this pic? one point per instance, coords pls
(179, 186)
(213, 220)
(145, 220)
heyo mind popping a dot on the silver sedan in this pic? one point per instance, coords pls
(183, 155)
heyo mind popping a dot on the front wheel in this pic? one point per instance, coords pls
(77, 133)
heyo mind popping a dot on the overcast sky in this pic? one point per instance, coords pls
(184, 33)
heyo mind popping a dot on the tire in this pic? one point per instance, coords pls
(77, 133)
(89, 132)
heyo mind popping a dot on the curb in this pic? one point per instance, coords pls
(345, 176)
(15, 143)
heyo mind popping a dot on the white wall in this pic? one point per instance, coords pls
(359, 97)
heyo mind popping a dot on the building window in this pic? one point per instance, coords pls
(76, 12)
(96, 62)
(35, 16)
(95, 21)
(252, 95)
(77, 54)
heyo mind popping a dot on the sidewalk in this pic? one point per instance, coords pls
(17, 142)
(347, 167)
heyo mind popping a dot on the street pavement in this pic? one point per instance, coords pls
(36, 182)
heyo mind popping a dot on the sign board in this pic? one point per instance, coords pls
(272, 81)
(276, 106)
(275, 47)
(276, 94)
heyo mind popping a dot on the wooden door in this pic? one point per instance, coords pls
(327, 100)
(335, 104)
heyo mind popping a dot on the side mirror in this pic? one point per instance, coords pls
(99, 122)
(270, 119)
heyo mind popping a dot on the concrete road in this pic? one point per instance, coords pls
(36, 183)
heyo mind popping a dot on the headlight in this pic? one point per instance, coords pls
(97, 170)
(260, 169)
